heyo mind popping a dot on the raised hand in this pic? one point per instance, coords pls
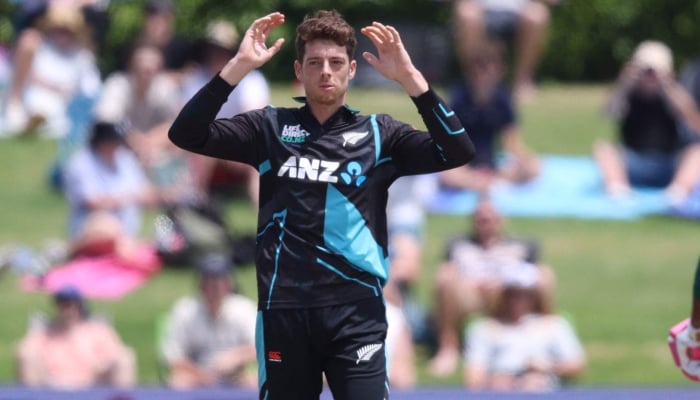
(392, 59)
(253, 51)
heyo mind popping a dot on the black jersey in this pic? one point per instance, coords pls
(322, 236)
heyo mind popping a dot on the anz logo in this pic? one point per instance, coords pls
(316, 170)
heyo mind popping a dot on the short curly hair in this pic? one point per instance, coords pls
(328, 25)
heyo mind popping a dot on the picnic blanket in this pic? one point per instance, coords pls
(98, 277)
(568, 186)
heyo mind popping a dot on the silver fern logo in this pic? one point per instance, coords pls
(365, 353)
(353, 137)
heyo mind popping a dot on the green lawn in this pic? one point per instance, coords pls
(623, 283)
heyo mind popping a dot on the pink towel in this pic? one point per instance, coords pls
(98, 277)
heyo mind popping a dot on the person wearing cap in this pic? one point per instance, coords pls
(469, 278)
(651, 110)
(106, 189)
(519, 346)
(73, 350)
(209, 339)
(218, 45)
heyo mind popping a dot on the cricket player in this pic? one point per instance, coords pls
(322, 256)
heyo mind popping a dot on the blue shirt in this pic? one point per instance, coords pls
(88, 177)
(484, 122)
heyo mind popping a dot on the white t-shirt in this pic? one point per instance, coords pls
(501, 348)
(118, 103)
(192, 334)
(73, 72)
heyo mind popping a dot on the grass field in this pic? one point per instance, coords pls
(623, 282)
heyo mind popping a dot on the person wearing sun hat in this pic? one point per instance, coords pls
(52, 66)
(518, 347)
(652, 111)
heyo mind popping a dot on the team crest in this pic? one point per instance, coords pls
(353, 137)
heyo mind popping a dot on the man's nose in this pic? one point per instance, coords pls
(326, 69)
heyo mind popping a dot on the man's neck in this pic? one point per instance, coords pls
(323, 112)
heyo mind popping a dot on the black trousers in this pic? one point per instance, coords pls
(296, 347)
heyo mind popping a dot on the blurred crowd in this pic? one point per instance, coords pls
(493, 313)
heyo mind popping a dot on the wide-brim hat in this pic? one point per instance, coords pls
(222, 34)
(63, 17)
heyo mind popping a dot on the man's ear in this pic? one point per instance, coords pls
(352, 69)
(297, 70)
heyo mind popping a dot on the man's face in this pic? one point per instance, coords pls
(147, 63)
(108, 151)
(325, 72)
(68, 311)
(487, 221)
(214, 290)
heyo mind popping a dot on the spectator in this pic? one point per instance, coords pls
(210, 339)
(521, 347)
(399, 343)
(105, 178)
(406, 217)
(94, 13)
(144, 100)
(484, 106)
(525, 21)
(470, 276)
(158, 31)
(219, 45)
(52, 67)
(651, 108)
(73, 350)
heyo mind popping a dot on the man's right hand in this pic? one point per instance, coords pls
(253, 51)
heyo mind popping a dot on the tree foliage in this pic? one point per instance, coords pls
(588, 40)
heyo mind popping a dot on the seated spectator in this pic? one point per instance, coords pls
(106, 178)
(159, 31)
(690, 80)
(52, 66)
(94, 12)
(470, 277)
(484, 106)
(210, 339)
(73, 350)
(651, 108)
(526, 22)
(218, 46)
(406, 219)
(519, 346)
(405, 226)
(400, 350)
(144, 100)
